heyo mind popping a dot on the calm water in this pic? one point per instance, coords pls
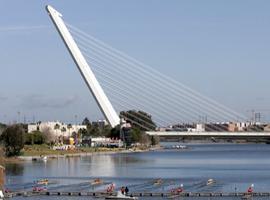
(233, 166)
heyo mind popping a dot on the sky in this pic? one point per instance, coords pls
(219, 48)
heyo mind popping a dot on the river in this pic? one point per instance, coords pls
(234, 167)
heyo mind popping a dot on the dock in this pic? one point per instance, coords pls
(140, 194)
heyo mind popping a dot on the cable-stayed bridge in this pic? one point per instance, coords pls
(133, 85)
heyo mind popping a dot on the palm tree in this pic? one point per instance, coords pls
(56, 127)
(69, 126)
(63, 129)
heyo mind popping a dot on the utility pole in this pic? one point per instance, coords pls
(257, 117)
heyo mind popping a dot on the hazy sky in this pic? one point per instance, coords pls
(219, 48)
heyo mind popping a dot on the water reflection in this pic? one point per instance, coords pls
(14, 169)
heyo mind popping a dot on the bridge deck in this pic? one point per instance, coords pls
(209, 134)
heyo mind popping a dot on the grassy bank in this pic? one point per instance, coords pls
(46, 150)
(37, 150)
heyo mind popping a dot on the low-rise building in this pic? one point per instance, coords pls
(243, 126)
(198, 128)
(102, 142)
(57, 128)
(232, 127)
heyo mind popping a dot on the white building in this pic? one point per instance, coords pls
(107, 142)
(57, 128)
(199, 128)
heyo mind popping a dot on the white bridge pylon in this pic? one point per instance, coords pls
(89, 77)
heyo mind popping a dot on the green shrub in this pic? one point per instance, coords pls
(13, 138)
(35, 137)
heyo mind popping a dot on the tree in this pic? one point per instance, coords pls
(88, 125)
(115, 132)
(145, 139)
(86, 122)
(56, 127)
(50, 137)
(82, 132)
(13, 138)
(29, 139)
(35, 137)
(39, 137)
(154, 140)
(94, 131)
(63, 129)
(135, 135)
(105, 131)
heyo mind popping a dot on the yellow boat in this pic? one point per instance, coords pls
(97, 181)
(158, 181)
(42, 182)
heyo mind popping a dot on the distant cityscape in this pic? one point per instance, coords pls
(219, 127)
(66, 129)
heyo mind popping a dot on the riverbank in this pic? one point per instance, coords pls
(38, 152)
(45, 150)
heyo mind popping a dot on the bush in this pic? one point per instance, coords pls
(13, 138)
(35, 137)
(115, 132)
(154, 140)
(29, 139)
(136, 135)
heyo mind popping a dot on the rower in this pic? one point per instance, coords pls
(110, 188)
(250, 189)
(178, 190)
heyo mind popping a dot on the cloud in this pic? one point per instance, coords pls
(22, 28)
(35, 101)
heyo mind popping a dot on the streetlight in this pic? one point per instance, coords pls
(75, 119)
(19, 113)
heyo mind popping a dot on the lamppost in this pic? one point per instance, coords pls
(76, 119)
(19, 113)
(77, 131)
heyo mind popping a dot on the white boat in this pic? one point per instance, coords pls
(121, 196)
(183, 147)
(1, 195)
(44, 158)
(210, 181)
(158, 181)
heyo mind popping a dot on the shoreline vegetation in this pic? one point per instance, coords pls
(17, 142)
(35, 152)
